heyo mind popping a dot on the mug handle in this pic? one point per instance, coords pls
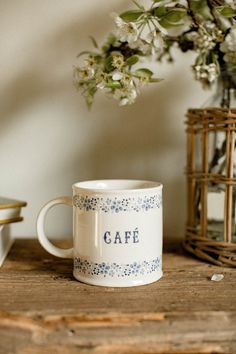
(45, 243)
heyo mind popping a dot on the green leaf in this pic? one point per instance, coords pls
(167, 24)
(160, 11)
(226, 11)
(201, 8)
(89, 96)
(93, 41)
(86, 52)
(175, 16)
(155, 80)
(108, 64)
(131, 16)
(138, 5)
(156, 1)
(97, 57)
(169, 18)
(132, 60)
(143, 72)
(113, 84)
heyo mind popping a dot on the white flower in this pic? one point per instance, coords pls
(100, 80)
(156, 40)
(160, 28)
(143, 80)
(126, 31)
(142, 45)
(212, 72)
(126, 95)
(151, 44)
(91, 62)
(206, 73)
(127, 80)
(124, 101)
(101, 85)
(131, 95)
(230, 57)
(117, 75)
(206, 38)
(84, 74)
(229, 45)
(203, 40)
(118, 61)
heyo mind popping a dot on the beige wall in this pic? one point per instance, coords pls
(48, 139)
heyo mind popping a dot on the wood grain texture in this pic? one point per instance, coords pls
(44, 310)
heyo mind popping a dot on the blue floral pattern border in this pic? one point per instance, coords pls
(117, 270)
(116, 205)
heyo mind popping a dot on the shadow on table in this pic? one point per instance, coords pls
(174, 245)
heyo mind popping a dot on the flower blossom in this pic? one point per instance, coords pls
(126, 31)
(126, 95)
(230, 57)
(100, 79)
(91, 61)
(152, 33)
(155, 39)
(206, 73)
(203, 41)
(229, 45)
(142, 45)
(117, 75)
(84, 73)
(118, 61)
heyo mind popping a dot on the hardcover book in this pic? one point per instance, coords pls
(10, 212)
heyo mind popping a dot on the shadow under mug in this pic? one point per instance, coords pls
(117, 232)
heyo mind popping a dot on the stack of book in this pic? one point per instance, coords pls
(10, 212)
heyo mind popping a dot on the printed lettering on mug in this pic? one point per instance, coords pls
(121, 237)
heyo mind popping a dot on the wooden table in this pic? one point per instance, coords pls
(44, 310)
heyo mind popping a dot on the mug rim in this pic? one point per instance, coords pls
(145, 186)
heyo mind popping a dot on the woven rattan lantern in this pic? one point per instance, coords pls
(211, 181)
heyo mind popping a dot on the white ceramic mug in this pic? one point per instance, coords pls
(117, 232)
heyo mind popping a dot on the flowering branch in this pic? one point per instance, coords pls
(207, 27)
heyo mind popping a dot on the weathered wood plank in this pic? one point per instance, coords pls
(115, 333)
(44, 310)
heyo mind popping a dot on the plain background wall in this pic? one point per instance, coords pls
(48, 139)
